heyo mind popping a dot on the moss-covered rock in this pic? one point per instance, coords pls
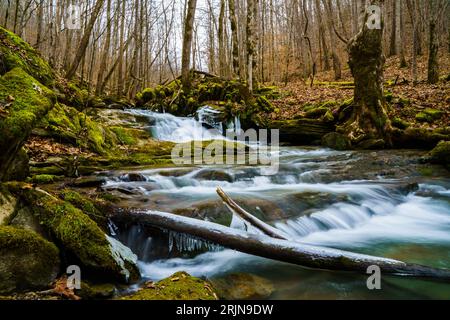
(15, 52)
(336, 141)
(91, 291)
(400, 123)
(441, 154)
(24, 101)
(180, 286)
(81, 237)
(67, 124)
(27, 261)
(429, 115)
(44, 179)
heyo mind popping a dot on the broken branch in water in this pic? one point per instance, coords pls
(257, 223)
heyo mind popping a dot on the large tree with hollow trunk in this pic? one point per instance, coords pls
(367, 124)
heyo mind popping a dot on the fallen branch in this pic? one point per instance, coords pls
(257, 223)
(286, 251)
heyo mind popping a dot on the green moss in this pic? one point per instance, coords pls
(180, 286)
(44, 179)
(28, 260)
(264, 104)
(15, 52)
(69, 125)
(77, 233)
(389, 96)
(31, 101)
(441, 154)
(400, 123)
(77, 97)
(15, 238)
(429, 115)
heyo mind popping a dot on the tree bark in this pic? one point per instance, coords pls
(187, 43)
(84, 40)
(433, 63)
(234, 39)
(368, 124)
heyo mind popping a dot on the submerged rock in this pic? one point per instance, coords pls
(180, 286)
(27, 261)
(214, 175)
(242, 286)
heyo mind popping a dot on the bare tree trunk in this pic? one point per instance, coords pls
(106, 48)
(336, 60)
(393, 40)
(234, 39)
(250, 42)
(433, 63)
(222, 54)
(411, 4)
(187, 43)
(120, 80)
(40, 18)
(84, 40)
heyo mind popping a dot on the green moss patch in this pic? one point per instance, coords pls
(27, 260)
(180, 286)
(15, 52)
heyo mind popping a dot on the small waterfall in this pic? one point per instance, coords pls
(167, 127)
(210, 117)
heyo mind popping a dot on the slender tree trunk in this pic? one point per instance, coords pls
(104, 58)
(222, 54)
(393, 39)
(411, 4)
(84, 40)
(120, 79)
(187, 43)
(40, 18)
(234, 38)
(435, 8)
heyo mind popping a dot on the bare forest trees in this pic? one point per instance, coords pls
(122, 46)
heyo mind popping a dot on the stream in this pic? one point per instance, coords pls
(383, 203)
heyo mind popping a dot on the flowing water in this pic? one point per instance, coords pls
(381, 203)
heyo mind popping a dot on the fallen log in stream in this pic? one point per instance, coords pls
(282, 250)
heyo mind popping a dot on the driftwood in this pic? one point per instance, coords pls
(286, 251)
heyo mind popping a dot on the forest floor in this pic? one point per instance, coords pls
(398, 82)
